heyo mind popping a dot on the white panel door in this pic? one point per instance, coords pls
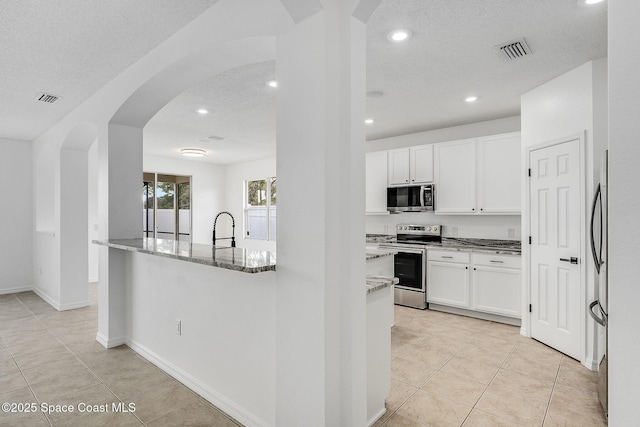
(421, 168)
(499, 174)
(555, 230)
(398, 166)
(455, 177)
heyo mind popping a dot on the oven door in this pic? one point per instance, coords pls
(409, 268)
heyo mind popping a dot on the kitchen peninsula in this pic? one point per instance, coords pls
(214, 329)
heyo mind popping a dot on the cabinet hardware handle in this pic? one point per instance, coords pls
(466, 268)
(481, 209)
(473, 209)
(474, 268)
(499, 262)
(449, 257)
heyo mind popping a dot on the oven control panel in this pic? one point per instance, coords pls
(420, 230)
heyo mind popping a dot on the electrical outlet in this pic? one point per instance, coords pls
(179, 327)
(511, 232)
(454, 231)
(386, 228)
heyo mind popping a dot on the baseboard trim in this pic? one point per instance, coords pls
(15, 290)
(74, 305)
(377, 416)
(47, 298)
(55, 304)
(591, 364)
(226, 405)
(110, 343)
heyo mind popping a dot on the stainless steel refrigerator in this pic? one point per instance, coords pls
(599, 309)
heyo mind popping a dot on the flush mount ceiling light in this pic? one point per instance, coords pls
(399, 35)
(589, 2)
(192, 152)
(216, 138)
(202, 111)
(470, 99)
(368, 121)
(271, 83)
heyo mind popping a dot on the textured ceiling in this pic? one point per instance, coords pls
(71, 48)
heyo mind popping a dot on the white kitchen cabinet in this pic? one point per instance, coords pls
(455, 177)
(448, 278)
(499, 174)
(376, 183)
(478, 176)
(496, 284)
(411, 165)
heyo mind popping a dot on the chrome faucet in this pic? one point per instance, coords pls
(233, 230)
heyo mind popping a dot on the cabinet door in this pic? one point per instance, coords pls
(421, 164)
(376, 182)
(455, 177)
(496, 290)
(398, 166)
(448, 284)
(499, 174)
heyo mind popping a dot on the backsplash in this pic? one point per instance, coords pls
(504, 227)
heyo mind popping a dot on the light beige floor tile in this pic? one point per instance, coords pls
(29, 337)
(18, 419)
(499, 345)
(8, 366)
(20, 326)
(64, 385)
(440, 344)
(528, 367)
(467, 323)
(525, 385)
(11, 382)
(535, 351)
(161, 401)
(478, 418)
(502, 330)
(196, 413)
(566, 403)
(403, 335)
(460, 389)
(430, 357)
(483, 355)
(513, 407)
(138, 383)
(33, 360)
(52, 370)
(95, 395)
(410, 372)
(399, 394)
(560, 418)
(5, 353)
(434, 409)
(36, 346)
(399, 421)
(456, 334)
(470, 369)
(577, 377)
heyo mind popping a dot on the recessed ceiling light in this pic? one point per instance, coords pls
(271, 83)
(192, 152)
(590, 2)
(471, 99)
(216, 138)
(399, 35)
(202, 111)
(375, 94)
(369, 121)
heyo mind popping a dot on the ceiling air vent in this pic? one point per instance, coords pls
(515, 49)
(47, 97)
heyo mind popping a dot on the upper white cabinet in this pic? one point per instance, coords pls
(499, 173)
(376, 182)
(455, 176)
(411, 165)
(478, 176)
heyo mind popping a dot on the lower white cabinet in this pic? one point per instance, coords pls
(448, 278)
(475, 281)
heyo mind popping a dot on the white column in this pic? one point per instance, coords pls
(624, 212)
(120, 176)
(321, 342)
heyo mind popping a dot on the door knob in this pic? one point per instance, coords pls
(572, 260)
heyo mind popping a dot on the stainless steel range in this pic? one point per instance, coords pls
(410, 263)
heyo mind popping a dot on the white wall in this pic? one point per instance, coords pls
(16, 216)
(93, 212)
(624, 212)
(570, 105)
(236, 175)
(482, 227)
(208, 185)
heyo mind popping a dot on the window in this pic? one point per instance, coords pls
(260, 209)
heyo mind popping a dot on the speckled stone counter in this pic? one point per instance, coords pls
(238, 259)
(373, 253)
(493, 246)
(375, 283)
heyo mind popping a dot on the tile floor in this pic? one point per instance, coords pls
(450, 370)
(447, 370)
(52, 357)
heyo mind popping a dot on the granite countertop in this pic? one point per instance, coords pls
(375, 283)
(494, 246)
(238, 259)
(373, 253)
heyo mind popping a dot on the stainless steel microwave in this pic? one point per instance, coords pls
(411, 198)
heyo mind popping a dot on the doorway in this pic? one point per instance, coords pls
(556, 246)
(166, 206)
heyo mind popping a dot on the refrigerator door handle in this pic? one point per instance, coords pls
(601, 321)
(596, 257)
